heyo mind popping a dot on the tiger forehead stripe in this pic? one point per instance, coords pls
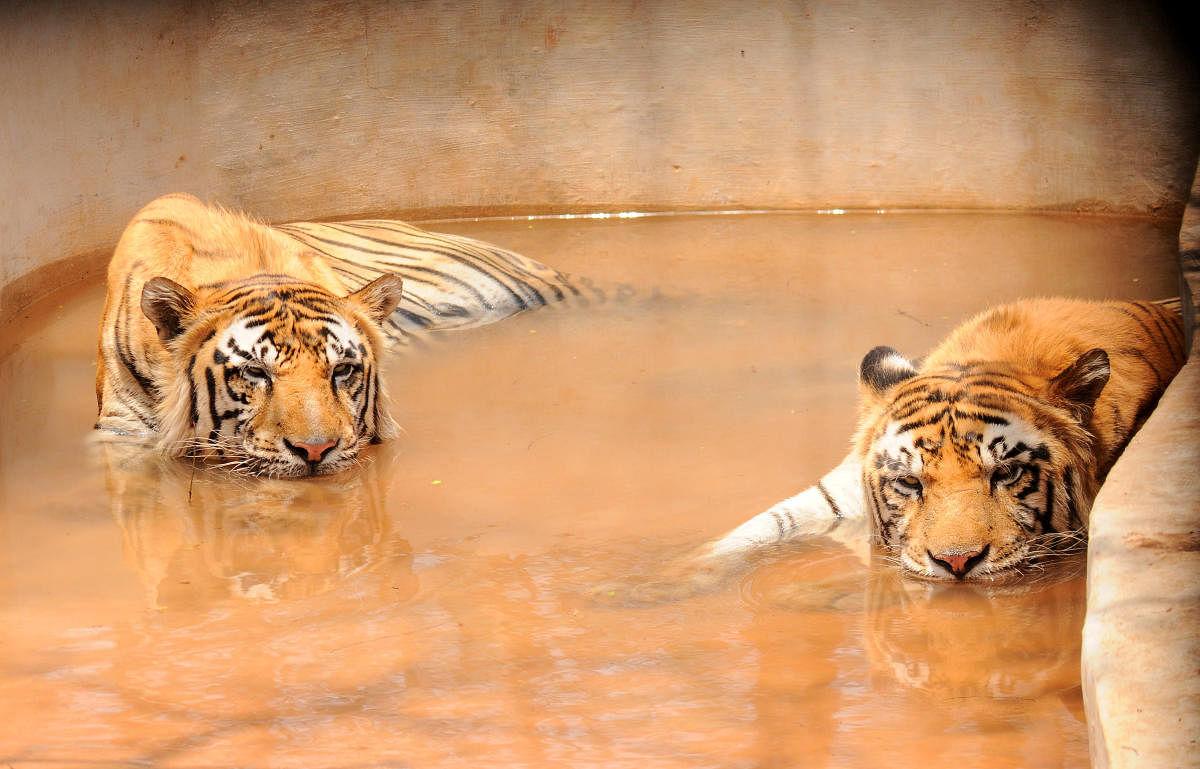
(246, 339)
(968, 386)
(265, 289)
(247, 342)
(929, 399)
(1017, 441)
(896, 449)
(341, 339)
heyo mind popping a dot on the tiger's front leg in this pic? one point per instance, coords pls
(819, 510)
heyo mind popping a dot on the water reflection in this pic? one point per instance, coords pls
(196, 537)
(952, 641)
(270, 633)
(966, 640)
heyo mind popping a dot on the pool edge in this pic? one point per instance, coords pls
(1141, 639)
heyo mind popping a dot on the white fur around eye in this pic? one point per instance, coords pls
(998, 440)
(894, 446)
(341, 338)
(247, 339)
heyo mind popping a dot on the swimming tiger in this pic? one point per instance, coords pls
(258, 347)
(984, 459)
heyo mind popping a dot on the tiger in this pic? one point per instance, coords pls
(979, 463)
(258, 348)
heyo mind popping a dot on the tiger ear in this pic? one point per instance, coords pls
(1079, 385)
(169, 306)
(882, 369)
(380, 296)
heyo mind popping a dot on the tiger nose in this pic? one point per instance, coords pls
(310, 451)
(959, 564)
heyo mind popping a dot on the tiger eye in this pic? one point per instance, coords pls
(252, 371)
(1006, 476)
(907, 484)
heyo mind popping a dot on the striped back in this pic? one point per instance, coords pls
(450, 281)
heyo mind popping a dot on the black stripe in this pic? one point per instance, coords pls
(923, 422)
(910, 407)
(122, 340)
(416, 320)
(1141, 355)
(886, 526)
(1073, 519)
(1124, 310)
(1038, 452)
(404, 269)
(1155, 317)
(361, 419)
(981, 417)
(989, 379)
(1035, 478)
(193, 414)
(1046, 519)
(837, 513)
(128, 362)
(1173, 332)
(211, 383)
(505, 262)
(259, 281)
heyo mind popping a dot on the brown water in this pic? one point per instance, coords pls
(432, 609)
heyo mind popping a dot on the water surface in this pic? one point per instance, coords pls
(432, 608)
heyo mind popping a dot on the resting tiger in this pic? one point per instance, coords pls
(259, 347)
(986, 457)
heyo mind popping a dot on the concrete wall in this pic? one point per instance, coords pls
(320, 108)
(1141, 640)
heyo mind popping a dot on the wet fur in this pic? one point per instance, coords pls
(1017, 418)
(321, 298)
(982, 461)
(182, 276)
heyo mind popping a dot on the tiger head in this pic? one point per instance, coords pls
(977, 471)
(270, 376)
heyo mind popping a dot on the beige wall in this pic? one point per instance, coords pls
(318, 108)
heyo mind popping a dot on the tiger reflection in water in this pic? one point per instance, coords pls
(963, 641)
(194, 538)
(955, 642)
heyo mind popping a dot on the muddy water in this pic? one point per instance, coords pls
(431, 609)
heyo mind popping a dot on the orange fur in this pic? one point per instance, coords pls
(982, 462)
(183, 279)
(993, 449)
(259, 345)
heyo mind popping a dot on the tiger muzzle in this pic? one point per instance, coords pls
(960, 564)
(311, 452)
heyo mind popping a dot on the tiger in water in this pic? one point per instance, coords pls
(982, 460)
(258, 347)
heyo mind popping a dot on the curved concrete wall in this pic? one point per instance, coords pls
(1141, 643)
(318, 108)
